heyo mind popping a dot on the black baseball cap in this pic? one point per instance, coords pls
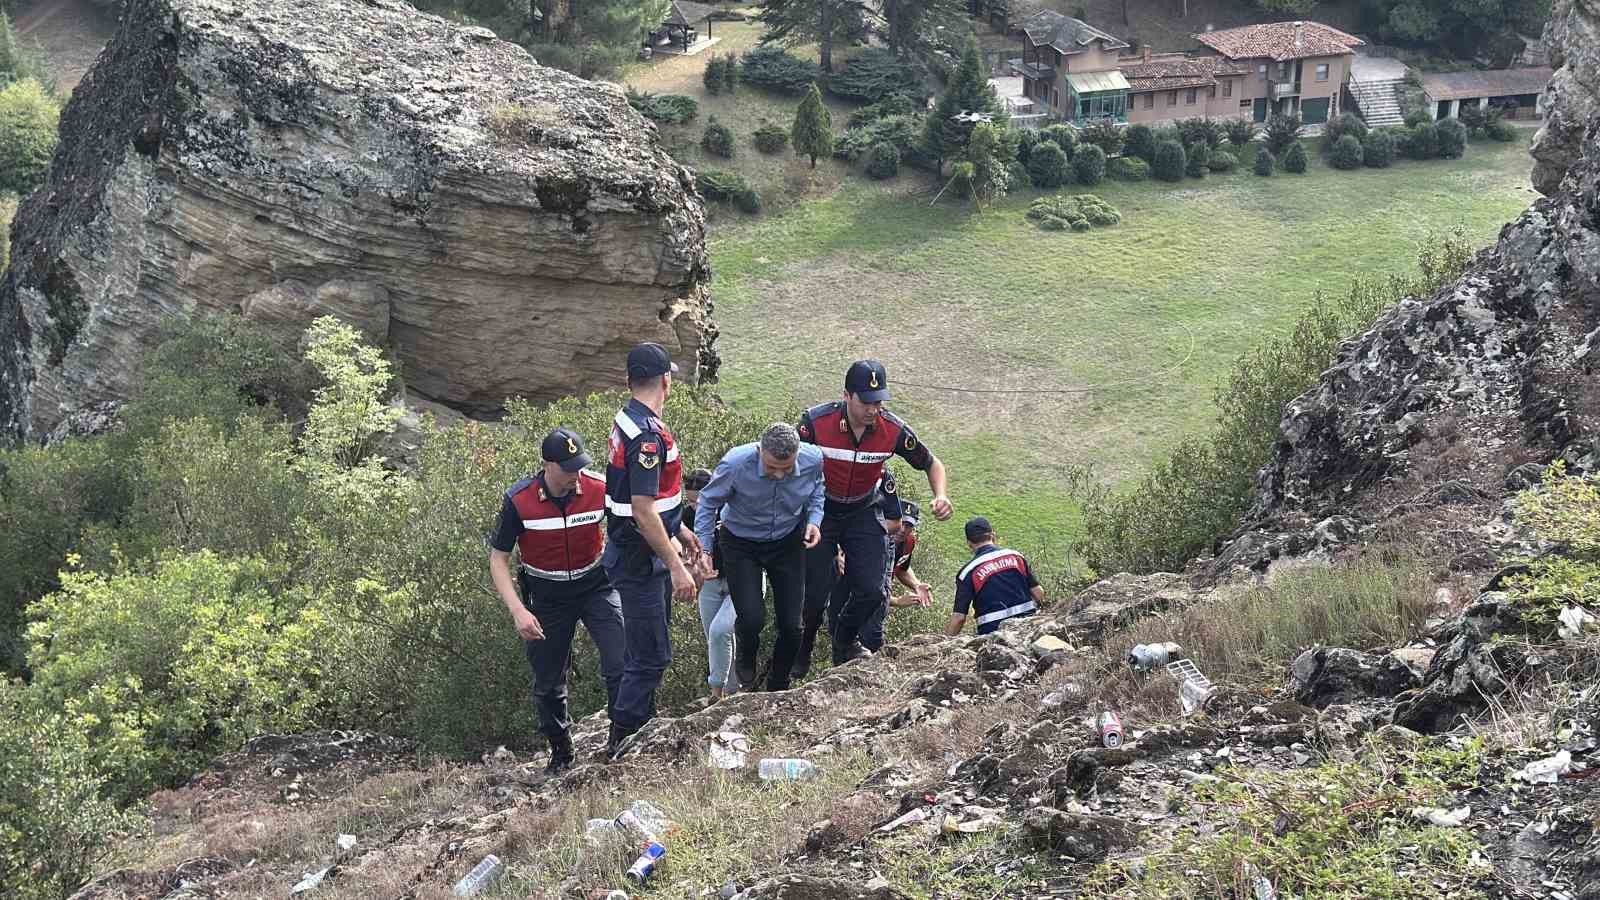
(868, 381)
(978, 528)
(648, 359)
(910, 513)
(565, 446)
(697, 480)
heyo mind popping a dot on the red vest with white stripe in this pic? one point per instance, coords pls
(634, 430)
(850, 470)
(561, 544)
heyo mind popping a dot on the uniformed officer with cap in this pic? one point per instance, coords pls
(995, 585)
(554, 520)
(857, 437)
(647, 537)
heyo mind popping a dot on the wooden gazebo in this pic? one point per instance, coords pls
(682, 23)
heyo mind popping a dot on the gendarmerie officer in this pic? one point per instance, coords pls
(995, 585)
(554, 520)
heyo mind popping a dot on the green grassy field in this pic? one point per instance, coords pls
(1016, 353)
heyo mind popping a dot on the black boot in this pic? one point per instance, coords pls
(618, 741)
(802, 659)
(560, 755)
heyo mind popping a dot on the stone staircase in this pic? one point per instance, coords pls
(1378, 101)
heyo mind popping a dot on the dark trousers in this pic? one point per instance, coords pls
(871, 633)
(784, 561)
(645, 588)
(600, 611)
(861, 535)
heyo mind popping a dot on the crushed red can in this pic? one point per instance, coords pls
(1110, 729)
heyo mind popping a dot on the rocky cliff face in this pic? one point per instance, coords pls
(507, 229)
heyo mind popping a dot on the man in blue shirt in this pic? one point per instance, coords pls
(768, 497)
(996, 585)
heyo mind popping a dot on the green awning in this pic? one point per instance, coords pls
(1096, 82)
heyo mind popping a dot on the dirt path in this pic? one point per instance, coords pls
(70, 33)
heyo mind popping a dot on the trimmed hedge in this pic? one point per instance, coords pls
(770, 138)
(1047, 166)
(772, 69)
(728, 187)
(1377, 151)
(1128, 168)
(1198, 158)
(1171, 161)
(1422, 141)
(1346, 153)
(1063, 136)
(1104, 135)
(1339, 126)
(1452, 139)
(1140, 141)
(1221, 161)
(1079, 213)
(1089, 164)
(884, 161)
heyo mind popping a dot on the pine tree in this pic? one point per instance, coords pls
(812, 133)
(826, 23)
(944, 136)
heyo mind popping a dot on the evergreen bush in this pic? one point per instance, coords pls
(1339, 126)
(1221, 161)
(1452, 139)
(673, 109)
(1171, 162)
(1280, 133)
(717, 139)
(1105, 135)
(1140, 141)
(770, 68)
(884, 161)
(1346, 153)
(1264, 162)
(1241, 132)
(28, 117)
(1422, 141)
(874, 75)
(1089, 164)
(1197, 157)
(770, 138)
(1047, 166)
(1377, 151)
(1295, 161)
(728, 187)
(1128, 168)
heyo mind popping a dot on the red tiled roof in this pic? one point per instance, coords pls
(1280, 41)
(1165, 73)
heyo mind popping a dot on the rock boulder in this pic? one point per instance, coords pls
(506, 229)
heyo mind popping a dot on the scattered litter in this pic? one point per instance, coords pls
(1546, 771)
(644, 821)
(310, 882)
(914, 817)
(648, 860)
(728, 750)
(1193, 687)
(603, 894)
(482, 875)
(1444, 818)
(1194, 777)
(1047, 644)
(1144, 657)
(598, 832)
(1110, 729)
(1574, 621)
(1264, 889)
(786, 770)
(728, 891)
(345, 842)
(953, 825)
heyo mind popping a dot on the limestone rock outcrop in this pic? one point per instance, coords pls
(1571, 102)
(505, 228)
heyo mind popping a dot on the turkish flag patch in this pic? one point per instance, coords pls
(648, 447)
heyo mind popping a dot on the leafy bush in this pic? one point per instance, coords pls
(715, 76)
(1197, 159)
(1027, 139)
(874, 75)
(1140, 141)
(884, 162)
(1452, 139)
(1377, 151)
(1063, 136)
(717, 139)
(1089, 164)
(728, 187)
(772, 69)
(1105, 135)
(1079, 213)
(1171, 162)
(673, 109)
(1241, 132)
(1281, 132)
(892, 105)
(771, 138)
(1208, 132)
(1079, 223)
(1295, 160)
(1346, 153)
(1047, 166)
(1339, 126)
(1197, 493)
(28, 117)
(1128, 168)
(1221, 161)
(730, 72)
(903, 132)
(1053, 223)
(1422, 142)
(1502, 131)
(1264, 162)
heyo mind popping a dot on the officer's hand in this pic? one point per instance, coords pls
(528, 626)
(813, 536)
(682, 582)
(924, 594)
(942, 509)
(690, 543)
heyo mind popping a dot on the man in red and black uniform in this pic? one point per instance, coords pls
(996, 585)
(856, 436)
(644, 505)
(554, 521)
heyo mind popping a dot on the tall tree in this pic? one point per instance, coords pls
(812, 133)
(908, 26)
(826, 23)
(949, 126)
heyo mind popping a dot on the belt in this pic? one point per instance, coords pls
(560, 574)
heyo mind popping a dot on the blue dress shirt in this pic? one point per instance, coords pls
(755, 507)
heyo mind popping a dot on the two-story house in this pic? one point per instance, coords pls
(1295, 67)
(1069, 68)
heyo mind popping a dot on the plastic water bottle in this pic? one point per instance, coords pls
(645, 865)
(1144, 657)
(479, 878)
(787, 770)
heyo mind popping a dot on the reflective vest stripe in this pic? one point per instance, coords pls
(1008, 612)
(662, 504)
(849, 455)
(626, 425)
(560, 574)
(980, 560)
(672, 453)
(556, 523)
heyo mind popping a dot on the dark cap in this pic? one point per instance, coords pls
(696, 480)
(868, 381)
(978, 529)
(648, 360)
(565, 446)
(910, 513)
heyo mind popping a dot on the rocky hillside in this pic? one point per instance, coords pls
(507, 229)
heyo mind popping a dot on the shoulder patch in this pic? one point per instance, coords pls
(648, 447)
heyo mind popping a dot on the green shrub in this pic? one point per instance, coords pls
(1099, 213)
(1128, 168)
(1079, 213)
(1452, 139)
(1053, 223)
(1027, 139)
(28, 117)
(1264, 162)
(1062, 136)
(1105, 135)
(1207, 132)
(1346, 153)
(590, 60)
(1377, 151)
(1078, 223)
(1502, 131)
(903, 132)
(1171, 162)
(1422, 142)
(728, 187)
(772, 69)
(771, 138)
(1089, 164)
(1282, 132)
(892, 105)
(56, 824)
(1564, 510)
(1196, 494)
(1295, 161)
(1221, 161)
(874, 75)
(717, 139)
(1140, 141)
(884, 162)
(1339, 126)
(673, 109)
(1047, 166)
(715, 75)
(1241, 132)
(1197, 160)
